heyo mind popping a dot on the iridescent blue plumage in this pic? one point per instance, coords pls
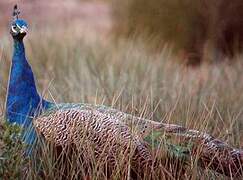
(20, 23)
(23, 100)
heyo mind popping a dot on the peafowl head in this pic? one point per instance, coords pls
(19, 27)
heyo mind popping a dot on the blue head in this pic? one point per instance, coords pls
(19, 28)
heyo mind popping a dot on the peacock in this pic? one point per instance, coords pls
(68, 124)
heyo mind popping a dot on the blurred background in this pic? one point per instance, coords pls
(174, 60)
(196, 30)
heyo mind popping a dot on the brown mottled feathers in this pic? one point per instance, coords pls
(107, 134)
(110, 133)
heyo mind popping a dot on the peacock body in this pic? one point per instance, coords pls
(109, 131)
(88, 125)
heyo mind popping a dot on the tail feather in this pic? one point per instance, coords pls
(211, 152)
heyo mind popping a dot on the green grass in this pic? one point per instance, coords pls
(72, 68)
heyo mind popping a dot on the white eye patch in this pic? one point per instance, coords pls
(24, 29)
(13, 29)
(18, 26)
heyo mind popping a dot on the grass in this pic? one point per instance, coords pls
(74, 68)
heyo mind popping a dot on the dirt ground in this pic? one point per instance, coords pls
(91, 16)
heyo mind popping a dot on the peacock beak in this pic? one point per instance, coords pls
(23, 29)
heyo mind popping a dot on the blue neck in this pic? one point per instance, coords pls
(23, 100)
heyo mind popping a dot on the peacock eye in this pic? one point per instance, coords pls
(14, 28)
